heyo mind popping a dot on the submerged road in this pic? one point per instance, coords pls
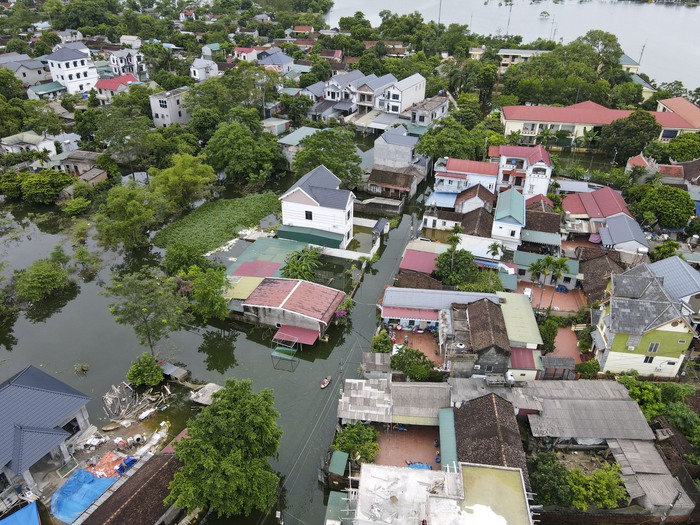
(304, 496)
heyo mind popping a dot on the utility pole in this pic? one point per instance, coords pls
(642, 53)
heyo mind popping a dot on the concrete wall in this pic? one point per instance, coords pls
(273, 316)
(391, 155)
(325, 219)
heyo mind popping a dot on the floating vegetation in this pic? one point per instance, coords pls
(81, 368)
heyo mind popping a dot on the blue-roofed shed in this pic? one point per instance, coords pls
(448, 440)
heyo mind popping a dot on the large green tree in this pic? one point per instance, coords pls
(186, 181)
(128, 215)
(206, 288)
(226, 456)
(673, 207)
(40, 279)
(684, 147)
(333, 148)
(455, 267)
(627, 137)
(247, 159)
(43, 187)
(148, 302)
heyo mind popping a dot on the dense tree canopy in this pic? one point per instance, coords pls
(186, 181)
(684, 147)
(333, 148)
(225, 459)
(627, 137)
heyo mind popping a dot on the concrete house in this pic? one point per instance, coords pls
(429, 111)
(294, 306)
(126, 61)
(72, 69)
(281, 60)
(371, 91)
(527, 168)
(569, 279)
(587, 213)
(509, 219)
(291, 144)
(473, 198)
(456, 175)
(511, 57)
(202, 69)
(246, 54)
(403, 94)
(167, 107)
(317, 210)
(132, 41)
(29, 72)
(70, 35)
(641, 327)
(107, 88)
(40, 415)
(682, 283)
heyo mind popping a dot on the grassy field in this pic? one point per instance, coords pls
(215, 223)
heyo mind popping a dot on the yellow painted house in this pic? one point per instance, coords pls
(641, 327)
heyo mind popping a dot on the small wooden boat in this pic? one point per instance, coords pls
(326, 382)
(110, 427)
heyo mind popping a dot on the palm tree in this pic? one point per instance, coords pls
(453, 241)
(495, 249)
(546, 135)
(559, 267)
(535, 270)
(302, 264)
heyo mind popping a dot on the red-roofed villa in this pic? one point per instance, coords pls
(588, 212)
(107, 88)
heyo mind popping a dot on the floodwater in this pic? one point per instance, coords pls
(77, 327)
(662, 34)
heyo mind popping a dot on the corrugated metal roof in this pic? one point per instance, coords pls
(339, 461)
(679, 278)
(521, 324)
(297, 136)
(550, 239)
(448, 440)
(433, 299)
(511, 204)
(37, 403)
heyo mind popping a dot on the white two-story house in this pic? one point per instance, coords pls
(317, 211)
(126, 61)
(509, 219)
(403, 95)
(371, 90)
(526, 168)
(456, 175)
(168, 107)
(203, 69)
(73, 70)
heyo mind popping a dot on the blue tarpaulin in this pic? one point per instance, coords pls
(29, 515)
(77, 494)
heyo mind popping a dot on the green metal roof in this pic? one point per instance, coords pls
(525, 259)
(511, 204)
(519, 318)
(339, 461)
(336, 509)
(48, 88)
(626, 60)
(268, 250)
(550, 239)
(508, 280)
(448, 438)
(296, 136)
(417, 130)
(310, 235)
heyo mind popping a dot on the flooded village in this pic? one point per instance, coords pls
(258, 270)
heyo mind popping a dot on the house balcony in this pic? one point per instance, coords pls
(441, 186)
(528, 132)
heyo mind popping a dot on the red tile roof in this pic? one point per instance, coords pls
(420, 314)
(112, 84)
(685, 108)
(522, 358)
(301, 297)
(423, 262)
(296, 334)
(533, 154)
(597, 204)
(638, 161)
(303, 29)
(587, 113)
(666, 170)
(538, 198)
(257, 268)
(243, 49)
(472, 166)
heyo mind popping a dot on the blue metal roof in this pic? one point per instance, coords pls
(442, 200)
(448, 438)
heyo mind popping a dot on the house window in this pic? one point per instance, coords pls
(82, 62)
(421, 119)
(81, 88)
(395, 108)
(177, 101)
(348, 236)
(348, 216)
(70, 77)
(179, 113)
(567, 280)
(309, 216)
(394, 96)
(512, 233)
(681, 341)
(521, 272)
(163, 103)
(444, 223)
(24, 75)
(648, 359)
(653, 348)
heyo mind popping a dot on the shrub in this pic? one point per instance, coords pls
(588, 369)
(145, 371)
(76, 206)
(381, 343)
(548, 329)
(682, 417)
(671, 392)
(549, 480)
(343, 310)
(414, 364)
(40, 279)
(359, 441)
(646, 394)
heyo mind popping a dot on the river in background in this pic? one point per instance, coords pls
(666, 32)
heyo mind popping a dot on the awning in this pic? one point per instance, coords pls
(343, 106)
(594, 237)
(417, 314)
(295, 334)
(487, 264)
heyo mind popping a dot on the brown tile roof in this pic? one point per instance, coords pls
(139, 501)
(487, 433)
(391, 179)
(445, 215)
(596, 268)
(412, 279)
(666, 170)
(487, 328)
(691, 170)
(476, 191)
(477, 222)
(542, 221)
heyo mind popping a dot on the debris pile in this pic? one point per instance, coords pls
(124, 405)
